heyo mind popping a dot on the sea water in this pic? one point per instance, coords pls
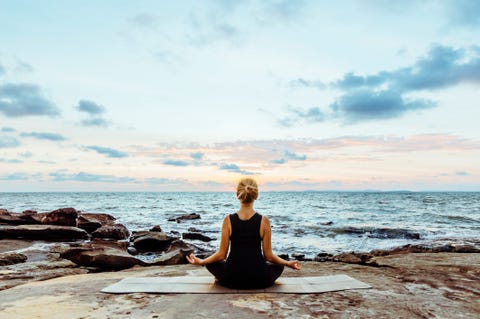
(302, 222)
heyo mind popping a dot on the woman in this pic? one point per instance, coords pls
(248, 234)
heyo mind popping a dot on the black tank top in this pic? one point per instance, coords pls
(245, 262)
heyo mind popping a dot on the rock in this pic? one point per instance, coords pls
(180, 244)
(105, 258)
(117, 231)
(88, 225)
(323, 257)
(11, 258)
(151, 241)
(156, 228)
(355, 258)
(184, 217)
(299, 257)
(174, 257)
(61, 217)
(284, 256)
(103, 219)
(197, 236)
(43, 232)
(10, 218)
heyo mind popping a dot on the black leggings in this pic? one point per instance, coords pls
(272, 271)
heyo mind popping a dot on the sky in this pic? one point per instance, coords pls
(118, 95)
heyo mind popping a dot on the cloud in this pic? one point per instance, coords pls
(96, 121)
(94, 112)
(45, 136)
(311, 115)
(2, 70)
(175, 163)
(87, 177)
(197, 155)
(15, 177)
(8, 130)
(361, 105)
(212, 28)
(7, 141)
(10, 161)
(164, 181)
(383, 95)
(300, 82)
(462, 173)
(289, 156)
(109, 152)
(90, 107)
(26, 154)
(17, 100)
(233, 168)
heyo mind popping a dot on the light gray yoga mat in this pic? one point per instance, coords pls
(206, 285)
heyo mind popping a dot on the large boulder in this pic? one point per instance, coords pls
(151, 241)
(62, 217)
(43, 232)
(101, 218)
(105, 258)
(117, 231)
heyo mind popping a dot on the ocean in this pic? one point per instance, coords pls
(302, 222)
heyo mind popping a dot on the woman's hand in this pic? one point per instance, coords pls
(294, 264)
(195, 260)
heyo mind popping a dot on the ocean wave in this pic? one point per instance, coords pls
(374, 232)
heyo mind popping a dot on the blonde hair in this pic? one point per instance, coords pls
(247, 190)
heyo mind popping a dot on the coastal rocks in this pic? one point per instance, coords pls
(43, 232)
(373, 232)
(24, 218)
(116, 231)
(197, 236)
(184, 217)
(61, 217)
(151, 241)
(106, 258)
(11, 258)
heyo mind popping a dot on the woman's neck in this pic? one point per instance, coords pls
(246, 210)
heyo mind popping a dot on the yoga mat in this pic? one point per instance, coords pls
(206, 285)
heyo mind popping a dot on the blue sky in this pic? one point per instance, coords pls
(191, 95)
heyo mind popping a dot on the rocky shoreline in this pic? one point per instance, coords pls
(36, 246)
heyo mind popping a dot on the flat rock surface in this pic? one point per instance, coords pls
(424, 285)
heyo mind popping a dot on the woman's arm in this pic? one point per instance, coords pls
(266, 235)
(222, 251)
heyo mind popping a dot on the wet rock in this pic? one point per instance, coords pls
(151, 241)
(61, 217)
(117, 231)
(11, 258)
(156, 228)
(323, 257)
(105, 258)
(184, 217)
(284, 256)
(43, 232)
(299, 257)
(197, 236)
